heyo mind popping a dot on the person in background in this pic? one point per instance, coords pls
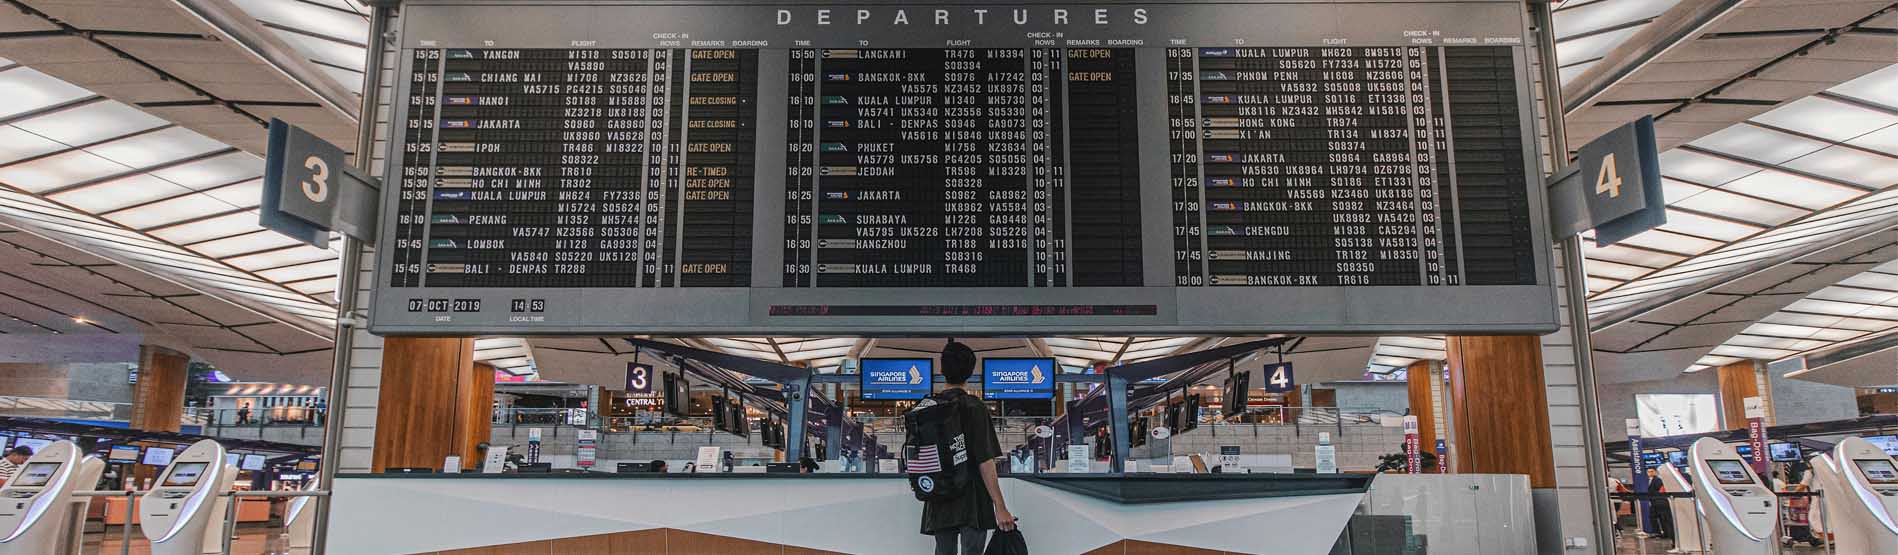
(11, 463)
(322, 408)
(243, 414)
(806, 465)
(658, 466)
(965, 520)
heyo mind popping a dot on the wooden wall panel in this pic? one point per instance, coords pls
(423, 414)
(1500, 407)
(1420, 406)
(158, 401)
(1324, 398)
(1737, 382)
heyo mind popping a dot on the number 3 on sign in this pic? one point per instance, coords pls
(318, 187)
(1608, 180)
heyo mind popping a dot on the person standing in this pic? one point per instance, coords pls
(11, 463)
(243, 414)
(964, 521)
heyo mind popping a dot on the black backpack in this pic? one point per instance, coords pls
(935, 451)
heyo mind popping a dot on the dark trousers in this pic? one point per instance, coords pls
(971, 539)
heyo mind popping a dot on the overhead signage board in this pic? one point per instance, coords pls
(1614, 187)
(310, 189)
(1018, 378)
(876, 168)
(896, 378)
(1279, 378)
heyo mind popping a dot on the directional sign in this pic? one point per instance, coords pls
(1614, 186)
(310, 189)
(638, 378)
(1279, 378)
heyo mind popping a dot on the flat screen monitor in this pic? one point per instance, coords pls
(5, 442)
(253, 461)
(34, 443)
(184, 475)
(1730, 471)
(1238, 392)
(1668, 414)
(1679, 458)
(719, 421)
(35, 474)
(1888, 443)
(896, 378)
(1743, 451)
(1018, 378)
(1783, 452)
(158, 456)
(737, 421)
(1189, 416)
(231, 459)
(306, 465)
(1652, 460)
(123, 453)
(1878, 471)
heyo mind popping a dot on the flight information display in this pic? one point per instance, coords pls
(882, 168)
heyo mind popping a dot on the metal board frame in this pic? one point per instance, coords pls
(1179, 310)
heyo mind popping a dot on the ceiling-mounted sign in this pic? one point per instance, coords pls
(639, 378)
(1154, 168)
(310, 189)
(1614, 187)
(1279, 378)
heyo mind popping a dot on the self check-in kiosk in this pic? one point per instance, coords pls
(1860, 485)
(1738, 510)
(299, 520)
(1686, 535)
(187, 501)
(36, 506)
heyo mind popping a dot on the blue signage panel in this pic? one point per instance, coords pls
(896, 378)
(1018, 378)
(1279, 378)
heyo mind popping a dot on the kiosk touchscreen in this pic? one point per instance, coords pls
(1860, 483)
(1738, 510)
(1686, 538)
(187, 501)
(36, 505)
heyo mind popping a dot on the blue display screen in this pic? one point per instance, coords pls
(896, 378)
(1018, 378)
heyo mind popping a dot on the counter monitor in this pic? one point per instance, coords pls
(896, 378)
(158, 456)
(1018, 378)
(971, 169)
(253, 461)
(123, 454)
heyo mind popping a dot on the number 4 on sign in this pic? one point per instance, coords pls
(1608, 180)
(1278, 378)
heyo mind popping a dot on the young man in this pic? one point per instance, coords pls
(965, 521)
(11, 463)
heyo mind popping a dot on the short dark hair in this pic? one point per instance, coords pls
(20, 450)
(958, 363)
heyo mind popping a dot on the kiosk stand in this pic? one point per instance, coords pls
(299, 519)
(36, 506)
(1739, 511)
(1860, 485)
(187, 501)
(1686, 533)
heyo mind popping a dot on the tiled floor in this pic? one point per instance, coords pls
(250, 541)
(1628, 544)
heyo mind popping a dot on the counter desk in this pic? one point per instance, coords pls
(822, 513)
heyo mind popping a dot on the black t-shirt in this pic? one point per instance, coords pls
(974, 508)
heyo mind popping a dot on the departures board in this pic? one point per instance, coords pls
(886, 169)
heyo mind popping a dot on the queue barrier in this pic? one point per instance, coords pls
(1779, 527)
(230, 510)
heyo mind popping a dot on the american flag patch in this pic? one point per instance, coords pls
(925, 461)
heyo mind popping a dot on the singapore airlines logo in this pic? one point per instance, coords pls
(1035, 376)
(915, 375)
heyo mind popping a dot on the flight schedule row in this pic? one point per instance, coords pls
(1346, 166)
(578, 168)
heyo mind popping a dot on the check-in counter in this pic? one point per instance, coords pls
(850, 513)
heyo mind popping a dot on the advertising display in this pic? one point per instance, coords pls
(1018, 378)
(1165, 168)
(1667, 414)
(1784, 452)
(896, 378)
